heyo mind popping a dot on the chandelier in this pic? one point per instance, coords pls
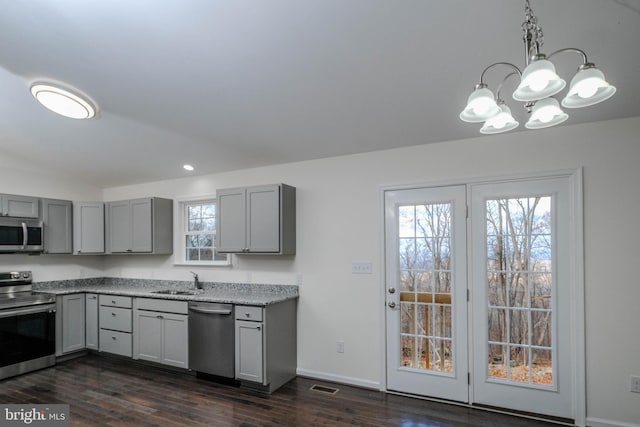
(538, 84)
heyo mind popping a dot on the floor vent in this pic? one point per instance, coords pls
(324, 389)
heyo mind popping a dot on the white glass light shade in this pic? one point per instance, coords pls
(63, 102)
(539, 80)
(481, 106)
(502, 122)
(588, 87)
(546, 113)
(188, 167)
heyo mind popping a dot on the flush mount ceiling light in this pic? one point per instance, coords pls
(188, 168)
(538, 83)
(62, 101)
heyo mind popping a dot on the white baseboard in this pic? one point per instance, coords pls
(598, 422)
(358, 382)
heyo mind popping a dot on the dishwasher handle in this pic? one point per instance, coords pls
(210, 311)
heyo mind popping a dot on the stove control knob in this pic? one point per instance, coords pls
(15, 275)
(25, 275)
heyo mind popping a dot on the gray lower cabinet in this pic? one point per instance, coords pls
(88, 228)
(266, 346)
(249, 351)
(70, 323)
(91, 321)
(139, 226)
(19, 206)
(57, 219)
(257, 220)
(114, 316)
(160, 331)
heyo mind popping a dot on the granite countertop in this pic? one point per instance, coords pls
(234, 293)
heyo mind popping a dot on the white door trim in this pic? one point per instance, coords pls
(577, 309)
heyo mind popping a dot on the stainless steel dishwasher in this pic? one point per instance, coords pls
(212, 339)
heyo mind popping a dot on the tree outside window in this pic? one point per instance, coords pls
(200, 233)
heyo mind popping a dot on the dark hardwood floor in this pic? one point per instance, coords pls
(112, 392)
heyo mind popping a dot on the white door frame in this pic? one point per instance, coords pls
(577, 308)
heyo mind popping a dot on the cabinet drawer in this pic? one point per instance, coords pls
(116, 319)
(115, 301)
(115, 342)
(163, 305)
(248, 312)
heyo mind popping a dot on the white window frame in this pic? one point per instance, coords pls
(181, 229)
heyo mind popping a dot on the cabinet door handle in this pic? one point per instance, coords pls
(113, 302)
(113, 314)
(113, 338)
(159, 317)
(259, 328)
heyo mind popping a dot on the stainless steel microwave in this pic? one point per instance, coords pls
(21, 235)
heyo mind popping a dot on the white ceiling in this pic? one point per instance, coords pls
(228, 84)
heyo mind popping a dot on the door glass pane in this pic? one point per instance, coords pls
(519, 285)
(426, 286)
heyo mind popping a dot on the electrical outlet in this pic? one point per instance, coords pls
(634, 383)
(340, 346)
(361, 267)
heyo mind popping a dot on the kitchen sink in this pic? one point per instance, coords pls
(174, 292)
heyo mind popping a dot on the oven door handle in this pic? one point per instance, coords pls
(25, 235)
(48, 308)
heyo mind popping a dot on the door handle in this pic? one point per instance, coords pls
(25, 235)
(391, 304)
(205, 311)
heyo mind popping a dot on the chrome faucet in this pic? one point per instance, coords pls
(196, 281)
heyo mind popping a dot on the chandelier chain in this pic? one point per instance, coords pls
(532, 31)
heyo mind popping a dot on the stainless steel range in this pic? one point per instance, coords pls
(27, 325)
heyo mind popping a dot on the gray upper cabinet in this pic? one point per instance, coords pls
(57, 218)
(119, 227)
(231, 233)
(257, 220)
(140, 226)
(88, 232)
(19, 206)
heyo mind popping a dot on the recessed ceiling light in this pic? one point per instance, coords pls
(63, 102)
(188, 167)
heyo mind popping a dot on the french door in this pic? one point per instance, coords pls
(426, 293)
(521, 296)
(478, 309)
